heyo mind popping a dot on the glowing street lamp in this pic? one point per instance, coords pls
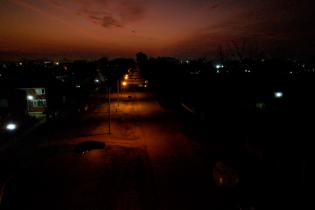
(124, 83)
(126, 76)
(30, 97)
(11, 126)
(219, 66)
(278, 94)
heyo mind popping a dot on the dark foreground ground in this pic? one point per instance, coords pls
(154, 158)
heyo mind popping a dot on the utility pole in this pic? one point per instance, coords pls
(117, 94)
(109, 116)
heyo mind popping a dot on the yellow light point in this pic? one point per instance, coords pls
(126, 76)
(124, 83)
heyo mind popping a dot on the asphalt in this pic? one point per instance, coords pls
(148, 162)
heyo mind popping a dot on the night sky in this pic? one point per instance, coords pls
(157, 27)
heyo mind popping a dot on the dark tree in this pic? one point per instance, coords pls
(141, 58)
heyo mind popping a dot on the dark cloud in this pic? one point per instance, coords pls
(125, 12)
(109, 21)
(278, 20)
(95, 19)
(56, 2)
(270, 25)
(131, 12)
(106, 13)
(106, 21)
(214, 6)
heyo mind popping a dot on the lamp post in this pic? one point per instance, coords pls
(30, 99)
(117, 95)
(124, 84)
(109, 115)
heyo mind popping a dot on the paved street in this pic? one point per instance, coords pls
(147, 163)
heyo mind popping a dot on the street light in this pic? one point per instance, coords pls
(278, 94)
(109, 115)
(126, 76)
(219, 66)
(124, 83)
(30, 97)
(11, 126)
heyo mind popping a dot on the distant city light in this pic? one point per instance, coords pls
(96, 80)
(124, 83)
(30, 97)
(20, 63)
(126, 76)
(78, 86)
(278, 94)
(11, 126)
(57, 63)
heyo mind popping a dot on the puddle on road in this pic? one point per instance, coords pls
(87, 146)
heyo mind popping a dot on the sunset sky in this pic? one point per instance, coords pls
(157, 27)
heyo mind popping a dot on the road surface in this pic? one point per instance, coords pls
(148, 163)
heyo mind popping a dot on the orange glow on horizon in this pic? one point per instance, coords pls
(123, 28)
